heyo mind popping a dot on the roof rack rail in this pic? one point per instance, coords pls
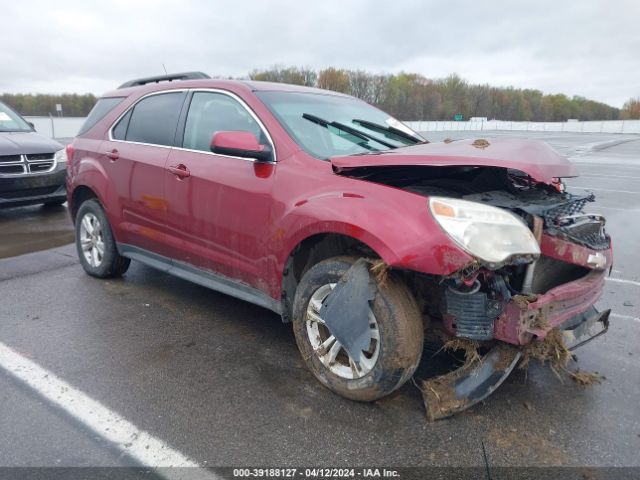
(164, 78)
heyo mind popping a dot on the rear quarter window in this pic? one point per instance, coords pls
(99, 110)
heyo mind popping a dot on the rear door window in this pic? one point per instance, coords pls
(155, 118)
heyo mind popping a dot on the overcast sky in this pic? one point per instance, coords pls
(580, 47)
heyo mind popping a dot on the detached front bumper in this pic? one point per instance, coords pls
(446, 395)
(565, 306)
(568, 307)
(526, 317)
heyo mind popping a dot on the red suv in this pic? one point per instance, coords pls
(342, 220)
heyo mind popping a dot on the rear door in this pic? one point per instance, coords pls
(137, 153)
(218, 215)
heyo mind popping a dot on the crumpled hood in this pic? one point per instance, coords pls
(23, 143)
(535, 158)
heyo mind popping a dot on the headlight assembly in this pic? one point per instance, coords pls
(489, 233)
(61, 157)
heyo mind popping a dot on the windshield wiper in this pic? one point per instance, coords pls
(359, 140)
(346, 128)
(390, 130)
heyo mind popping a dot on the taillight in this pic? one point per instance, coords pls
(69, 150)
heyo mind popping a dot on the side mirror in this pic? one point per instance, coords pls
(240, 144)
(33, 127)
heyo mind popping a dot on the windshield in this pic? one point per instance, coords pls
(332, 125)
(10, 121)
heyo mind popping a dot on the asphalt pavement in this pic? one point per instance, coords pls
(221, 381)
(28, 229)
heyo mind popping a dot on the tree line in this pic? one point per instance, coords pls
(411, 96)
(73, 105)
(407, 96)
(631, 109)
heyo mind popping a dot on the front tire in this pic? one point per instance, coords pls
(95, 243)
(396, 335)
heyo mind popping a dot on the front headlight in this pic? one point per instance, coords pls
(489, 233)
(61, 157)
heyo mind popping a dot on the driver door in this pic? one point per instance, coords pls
(218, 205)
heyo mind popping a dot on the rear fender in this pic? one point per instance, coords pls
(89, 172)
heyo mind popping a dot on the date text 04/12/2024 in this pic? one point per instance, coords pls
(315, 473)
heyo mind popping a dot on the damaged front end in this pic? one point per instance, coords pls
(539, 265)
(518, 301)
(509, 305)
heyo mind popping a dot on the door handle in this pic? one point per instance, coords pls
(180, 170)
(113, 155)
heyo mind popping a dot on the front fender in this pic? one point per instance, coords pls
(399, 229)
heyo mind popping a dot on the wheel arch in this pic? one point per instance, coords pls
(80, 194)
(311, 250)
(90, 180)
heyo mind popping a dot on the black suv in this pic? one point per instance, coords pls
(32, 167)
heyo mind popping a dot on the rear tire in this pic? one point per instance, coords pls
(96, 246)
(390, 360)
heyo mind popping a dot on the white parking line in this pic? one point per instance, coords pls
(608, 165)
(622, 280)
(625, 317)
(608, 176)
(603, 190)
(125, 436)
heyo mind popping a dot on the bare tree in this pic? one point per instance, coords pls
(631, 109)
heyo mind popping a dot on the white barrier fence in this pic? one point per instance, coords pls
(61, 127)
(57, 127)
(607, 126)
